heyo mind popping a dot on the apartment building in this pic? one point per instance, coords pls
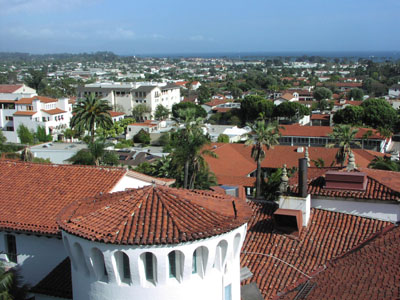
(125, 96)
(53, 114)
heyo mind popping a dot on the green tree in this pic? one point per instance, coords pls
(36, 80)
(11, 287)
(352, 115)
(96, 154)
(253, 105)
(25, 135)
(322, 93)
(343, 136)
(139, 111)
(41, 135)
(355, 94)
(199, 112)
(379, 113)
(142, 137)
(89, 113)
(203, 94)
(161, 112)
(223, 138)
(291, 110)
(262, 136)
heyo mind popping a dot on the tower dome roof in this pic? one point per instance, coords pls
(154, 215)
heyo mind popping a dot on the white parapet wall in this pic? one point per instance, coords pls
(106, 271)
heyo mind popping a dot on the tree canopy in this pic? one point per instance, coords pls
(322, 93)
(199, 112)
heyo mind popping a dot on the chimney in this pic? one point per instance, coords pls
(303, 177)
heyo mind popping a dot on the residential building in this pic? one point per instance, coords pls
(52, 114)
(16, 91)
(394, 91)
(125, 96)
(317, 136)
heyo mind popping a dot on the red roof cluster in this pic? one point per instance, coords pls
(381, 185)
(32, 194)
(216, 102)
(278, 260)
(154, 215)
(234, 161)
(369, 271)
(323, 131)
(54, 111)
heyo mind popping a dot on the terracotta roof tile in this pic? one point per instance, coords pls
(58, 283)
(216, 102)
(9, 88)
(278, 260)
(32, 194)
(369, 271)
(41, 98)
(116, 113)
(25, 113)
(381, 185)
(55, 111)
(153, 215)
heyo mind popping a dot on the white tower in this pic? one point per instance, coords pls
(155, 243)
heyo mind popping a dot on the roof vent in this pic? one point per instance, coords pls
(289, 221)
(356, 181)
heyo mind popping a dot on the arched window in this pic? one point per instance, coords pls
(80, 258)
(149, 266)
(199, 261)
(220, 254)
(123, 268)
(236, 244)
(99, 267)
(176, 263)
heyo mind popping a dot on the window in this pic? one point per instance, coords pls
(123, 267)
(199, 261)
(11, 247)
(29, 107)
(9, 118)
(176, 263)
(9, 128)
(228, 292)
(148, 267)
(149, 271)
(220, 255)
(99, 266)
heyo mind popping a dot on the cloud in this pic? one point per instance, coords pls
(35, 6)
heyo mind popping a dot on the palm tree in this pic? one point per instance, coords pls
(343, 136)
(262, 136)
(6, 281)
(91, 112)
(384, 163)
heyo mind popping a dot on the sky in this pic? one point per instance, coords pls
(206, 26)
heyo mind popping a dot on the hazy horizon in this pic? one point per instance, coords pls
(180, 27)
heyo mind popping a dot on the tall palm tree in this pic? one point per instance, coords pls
(262, 136)
(343, 136)
(90, 112)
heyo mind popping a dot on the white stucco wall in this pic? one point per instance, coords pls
(376, 210)
(37, 255)
(191, 286)
(128, 182)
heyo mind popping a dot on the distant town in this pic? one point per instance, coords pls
(162, 177)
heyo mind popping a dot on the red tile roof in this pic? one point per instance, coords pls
(369, 271)
(116, 113)
(153, 215)
(24, 113)
(58, 283)
(382, 185)
(216, 102)
(278, 260)
(322, 131)
(9, 88)
(320, 117)
(55, 111)
(41, 98)
(32, 194)
(287, 96)
(349, 84)
(234, 162)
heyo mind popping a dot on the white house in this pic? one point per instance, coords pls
(394, 91)
(15, 91)
(287, 97)
(126, 96)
